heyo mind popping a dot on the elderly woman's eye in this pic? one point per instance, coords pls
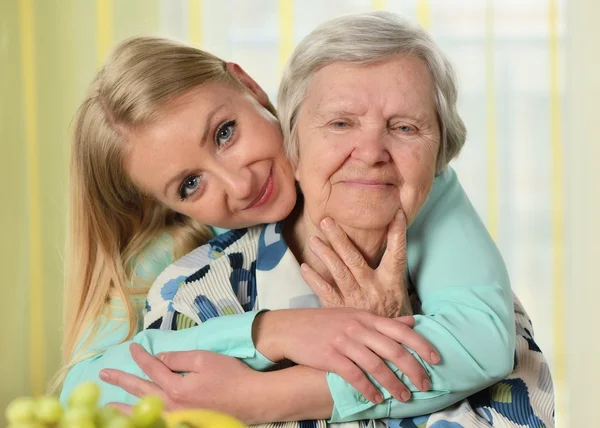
(189, 186)
(340, 124)
(405, 129)
(225, 133)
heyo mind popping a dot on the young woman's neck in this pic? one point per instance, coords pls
(299, 228)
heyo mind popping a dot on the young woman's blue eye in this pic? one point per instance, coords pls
(189, 186)
(225, 133)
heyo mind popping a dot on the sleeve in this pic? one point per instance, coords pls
(467, 309)
(227, 335)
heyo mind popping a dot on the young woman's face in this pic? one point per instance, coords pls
(215, 155)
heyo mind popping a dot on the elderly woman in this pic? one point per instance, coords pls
(367, 105)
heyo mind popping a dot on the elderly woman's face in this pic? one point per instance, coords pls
(368, 140)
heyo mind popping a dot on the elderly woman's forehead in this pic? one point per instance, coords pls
(339, 88)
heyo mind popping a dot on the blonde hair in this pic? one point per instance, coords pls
(367, 38)
(111, 222)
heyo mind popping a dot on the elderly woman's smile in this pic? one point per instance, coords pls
(368, 142)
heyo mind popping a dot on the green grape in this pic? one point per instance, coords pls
(77, 417)
(48, 409)
(21, 410)
(106, 414)
(147, 411)
(119, 421)
(85, 395)
(160, 423)
(30, 424)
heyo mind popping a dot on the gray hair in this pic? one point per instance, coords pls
(367, 38)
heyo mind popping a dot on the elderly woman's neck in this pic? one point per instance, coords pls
(299, 229)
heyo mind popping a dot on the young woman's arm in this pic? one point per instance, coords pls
(231, 335)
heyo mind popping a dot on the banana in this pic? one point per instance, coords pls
(201, 419)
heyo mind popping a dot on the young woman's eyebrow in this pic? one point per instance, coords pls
(207, 124)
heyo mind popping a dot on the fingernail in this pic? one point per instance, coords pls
(159, 356)
(104, 375)
(435, 357)
(327, 223)
(378, 398)
(405, 396)
(426, 386)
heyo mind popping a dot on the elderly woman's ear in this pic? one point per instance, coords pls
(248, 82)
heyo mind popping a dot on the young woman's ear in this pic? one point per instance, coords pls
(247, 81)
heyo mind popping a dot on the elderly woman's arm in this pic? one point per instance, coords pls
(467, 306)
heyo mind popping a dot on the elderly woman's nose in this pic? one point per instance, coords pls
(370, 148)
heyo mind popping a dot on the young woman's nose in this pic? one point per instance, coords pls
(238, 183)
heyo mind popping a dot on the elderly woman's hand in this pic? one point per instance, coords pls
(381, 291)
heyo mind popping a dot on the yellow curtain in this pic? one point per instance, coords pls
(49, 52)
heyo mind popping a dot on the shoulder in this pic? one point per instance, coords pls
(219, 254)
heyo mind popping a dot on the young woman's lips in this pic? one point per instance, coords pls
(265, 193)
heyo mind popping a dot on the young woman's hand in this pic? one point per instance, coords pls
(211, 381)
(348, 342)
(381, 291)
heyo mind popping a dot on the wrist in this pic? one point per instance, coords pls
(272, 399)
(264, 335)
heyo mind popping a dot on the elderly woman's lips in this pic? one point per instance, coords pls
(368, 183)
(264, 194)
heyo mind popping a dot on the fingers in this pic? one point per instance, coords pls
(395, 353)
(407, 320)
(377, 368)
(130, 383)
(352, 374)
(340, 272)
(123, 408)
(402, 333)
(344, 248)
(154, 368)
(394, 258)
(326, 293)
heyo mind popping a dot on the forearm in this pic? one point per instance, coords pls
(230, 335)
(274, 399)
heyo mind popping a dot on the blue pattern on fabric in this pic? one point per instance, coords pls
(271, 246)
(241, 276)
(446, 424)
(198, 275)
(205, 308)
(529, 338)
(308, 424)
(170, 288)
(518, 408)
(221, 242)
